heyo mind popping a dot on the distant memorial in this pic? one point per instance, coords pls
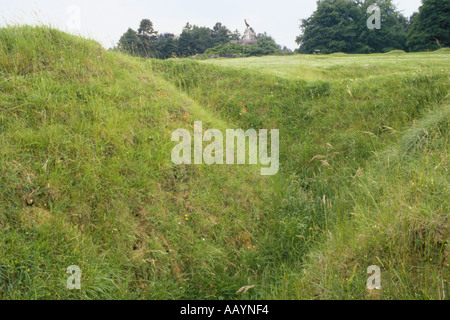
(249, 37)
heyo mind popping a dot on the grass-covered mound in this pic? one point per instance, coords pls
(234, 50)
(86, 179)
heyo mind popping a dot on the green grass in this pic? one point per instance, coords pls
(85, 139)
(338, 66)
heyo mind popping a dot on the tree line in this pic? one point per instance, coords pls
(341, 26)
(147, 42)
(193, 40)
(335, 26)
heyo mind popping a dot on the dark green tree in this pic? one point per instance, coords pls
(220, 34)
(185, 43)
(129, 42)
(202, 39)
(148, 39)
(195, 40)
(146, 28)
(266, 44)
(236, 35)
(341, 26)
(393, 32)
(430, 29)
(168, 46)
(333, 27)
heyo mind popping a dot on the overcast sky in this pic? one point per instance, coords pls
(106, 20)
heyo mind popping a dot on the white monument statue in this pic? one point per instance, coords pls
(249, 36)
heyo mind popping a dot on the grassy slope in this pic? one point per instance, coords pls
(85, 135)
(398, 216)
(335, 130)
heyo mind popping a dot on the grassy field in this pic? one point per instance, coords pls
(86, 177)
(339, 65)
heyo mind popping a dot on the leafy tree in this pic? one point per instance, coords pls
(145, 42)
(430, 28)
(146, 28)
(185, 43)
(266, 44)
(168, 46)
(195, 40)
(129, 41)
(412, 18)
(148, 39)
(220, 34)
(187, 27)
(392, 34)
(341, 26)
(202, 39)
(236, 35)
(333, 27)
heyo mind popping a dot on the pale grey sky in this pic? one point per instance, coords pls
(106, 20)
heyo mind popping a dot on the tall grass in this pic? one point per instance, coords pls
(331, 133)
(86, 176)
(87, 179)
